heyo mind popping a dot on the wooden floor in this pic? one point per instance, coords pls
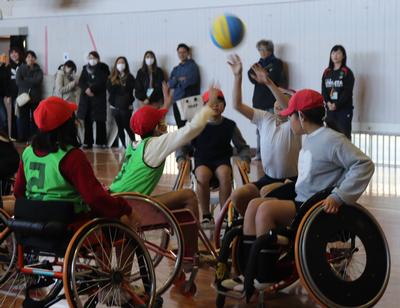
(386, 209)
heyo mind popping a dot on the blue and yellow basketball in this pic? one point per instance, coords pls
(227, 31)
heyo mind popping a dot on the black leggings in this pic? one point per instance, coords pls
(122, 118)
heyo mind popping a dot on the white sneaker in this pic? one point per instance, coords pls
(207, 223)
(235, 284)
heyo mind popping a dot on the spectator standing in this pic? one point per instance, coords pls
(337, 90)
(93, 100)
(149, 78)
(29, 80)
(120, 86)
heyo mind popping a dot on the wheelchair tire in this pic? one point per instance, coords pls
(164, 241)
(96, 272)
(8, 249)
(343, 260)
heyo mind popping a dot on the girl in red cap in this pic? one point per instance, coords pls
(327, 159)
(54, 168)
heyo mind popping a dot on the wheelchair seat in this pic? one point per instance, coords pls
(42, 226)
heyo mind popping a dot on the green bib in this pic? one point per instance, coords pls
(135, 174)
(44, 180)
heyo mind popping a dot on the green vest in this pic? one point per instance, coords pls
(44, 180)
(135, 174)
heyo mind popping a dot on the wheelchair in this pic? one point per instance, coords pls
(227, 214)
(167, 234)
(97, 263)
(342, 260)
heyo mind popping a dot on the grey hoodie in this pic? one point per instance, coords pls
(329, 159)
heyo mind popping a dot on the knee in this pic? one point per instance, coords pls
(202, 177)
(264, 214)
(189, 195)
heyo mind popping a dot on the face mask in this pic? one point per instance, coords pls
(121, 67)
(92, 62)
(149, 61)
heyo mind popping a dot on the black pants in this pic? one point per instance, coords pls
(122, 118)
(25, 124)
(101, 135)
(341, 119)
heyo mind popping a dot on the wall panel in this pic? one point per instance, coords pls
(303, 31)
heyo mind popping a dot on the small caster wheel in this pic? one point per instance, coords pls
(188, 289)
(180, 279)
(220, 302)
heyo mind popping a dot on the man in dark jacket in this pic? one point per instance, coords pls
(184, 79)
(262, 97)
(29, 80)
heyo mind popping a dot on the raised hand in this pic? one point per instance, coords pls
(260, 74)
(236, 64)
(167, 95)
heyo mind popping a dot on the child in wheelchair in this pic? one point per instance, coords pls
(327, 159)
(54, 168)
(279, 145)
(213, 152)
(144, 160)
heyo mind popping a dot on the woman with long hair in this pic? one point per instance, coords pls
(337, 90)
(120, 86)
(149, 78)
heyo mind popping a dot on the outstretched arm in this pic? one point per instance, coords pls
(237, 69)
(261, 76)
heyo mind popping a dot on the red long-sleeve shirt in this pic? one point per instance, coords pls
(76, 169)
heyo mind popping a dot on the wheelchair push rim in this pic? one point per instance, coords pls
(97, 272)
(343, 260)
(162, 237)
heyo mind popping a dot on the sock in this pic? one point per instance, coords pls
(266, 263)
(244, 249)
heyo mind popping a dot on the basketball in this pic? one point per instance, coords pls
(227, 31)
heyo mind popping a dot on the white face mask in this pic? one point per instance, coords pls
(149, 61)
(92, 62)
(121, 67)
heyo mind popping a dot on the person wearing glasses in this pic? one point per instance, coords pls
(262, 96)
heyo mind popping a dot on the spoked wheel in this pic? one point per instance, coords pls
(107, 265)
(8, 248)
(162, 236)
(342, 259)
(11, 282)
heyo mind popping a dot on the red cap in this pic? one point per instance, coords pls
(207, 94)
(303, 100)
(52, 112)
(146, 119)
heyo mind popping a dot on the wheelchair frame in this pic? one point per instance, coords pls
(296, 245)
(19, 269)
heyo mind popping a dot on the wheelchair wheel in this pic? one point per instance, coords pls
(107, 264)
(162, 236)
(343, 259)
(8, 248)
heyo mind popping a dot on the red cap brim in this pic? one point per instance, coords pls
(287, 112)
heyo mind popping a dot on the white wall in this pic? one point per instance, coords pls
(303, 32)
